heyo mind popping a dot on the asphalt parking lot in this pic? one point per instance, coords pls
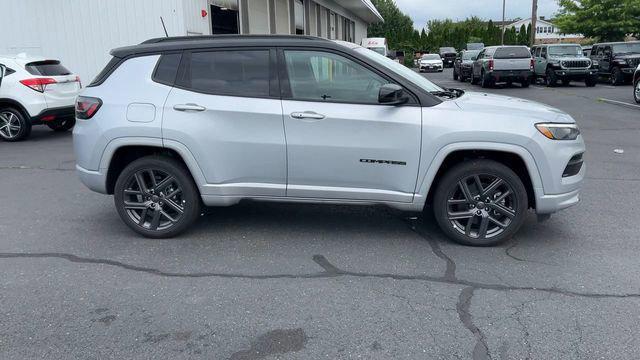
(273, 281)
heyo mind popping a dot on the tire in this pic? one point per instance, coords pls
(551, 78)
(591, 81)
(636, 92)
(566, 82)
(143, 205)
(509, 83)
(510, 209)
(485, 80)
(616, 78)
(474, 80)
(64, 125)
(455, 74)
(525, 83)
(14, 125)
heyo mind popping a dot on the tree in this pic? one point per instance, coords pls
(604, 20)
(523, 36)
(397, 27)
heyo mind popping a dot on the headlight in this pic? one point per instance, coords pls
(555, 131)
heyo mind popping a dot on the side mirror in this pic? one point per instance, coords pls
(3, 70)
(392, 94)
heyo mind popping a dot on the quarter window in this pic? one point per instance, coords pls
(320, 76)
(237, 73)
(167, 69)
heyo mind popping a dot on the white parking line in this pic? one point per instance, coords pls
(633, 106)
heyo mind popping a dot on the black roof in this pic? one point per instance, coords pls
(158, 45)
(617, 42)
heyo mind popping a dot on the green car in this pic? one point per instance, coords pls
(565, 63)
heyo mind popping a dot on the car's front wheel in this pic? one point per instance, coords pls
(636, 92)
(616, 78)
(480, 203)
(156, 197)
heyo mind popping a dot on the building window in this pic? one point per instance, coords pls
(299, 17)
(224, 17)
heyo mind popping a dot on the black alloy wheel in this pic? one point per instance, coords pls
(156, 197)
(480, 203)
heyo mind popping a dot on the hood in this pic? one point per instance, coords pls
(567, 58)
(512, 107)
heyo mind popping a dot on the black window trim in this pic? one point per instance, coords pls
(286, 87)
(273, 83)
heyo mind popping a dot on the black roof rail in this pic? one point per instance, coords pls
(226, 36)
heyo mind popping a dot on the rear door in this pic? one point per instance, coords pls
(225, 108)
(512, 58)
(342, 144)
(62, 89)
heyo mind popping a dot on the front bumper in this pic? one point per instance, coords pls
(575, 73)
(430, 67)
(548, 204)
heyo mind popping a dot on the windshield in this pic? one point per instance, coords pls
(565, 50)
(401, 70)
(626, 48)
(431, 57)
(379, 50)
(468, 55)
(447, 50)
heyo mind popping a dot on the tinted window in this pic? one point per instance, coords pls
(239, 73)
(47, 68)
(512, 53)
(167, 68)
(319, 76)
(538, 52)
(8, 71)
(543, 52)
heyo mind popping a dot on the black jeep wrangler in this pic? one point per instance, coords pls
(617, 60)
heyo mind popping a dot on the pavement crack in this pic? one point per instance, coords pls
(514, 243)
(480, 350)
(450, 270)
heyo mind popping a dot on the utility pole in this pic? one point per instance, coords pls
(534, 17)
(503, 7)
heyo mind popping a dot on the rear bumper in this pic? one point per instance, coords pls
(94, 180)
(508, 75)
(53, 114)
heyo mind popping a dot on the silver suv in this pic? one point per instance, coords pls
(174, 123)
(563, 62)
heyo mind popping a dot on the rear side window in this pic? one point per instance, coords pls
(167, 69)
(8, 71)
(228, 72)
(512, 53)
(47, 68)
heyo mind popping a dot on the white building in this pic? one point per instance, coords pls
(546, 32)
(82, 32)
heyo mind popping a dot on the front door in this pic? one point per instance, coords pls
(225, 111)
(342, 144)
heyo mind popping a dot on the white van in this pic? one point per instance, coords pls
(378, 45)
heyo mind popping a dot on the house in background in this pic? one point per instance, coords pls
(82, 32)
(546, 31)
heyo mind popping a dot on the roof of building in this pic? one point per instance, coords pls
(157, 45)
(364, 9)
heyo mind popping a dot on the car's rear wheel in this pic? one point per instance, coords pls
(636, 92)
(14, 126)
(566, 82)
(62, 125)
(485, 80)
(156, 197)
(525, 82)
(616, 78)
(551, 78)
(480, 203)
(455, 74)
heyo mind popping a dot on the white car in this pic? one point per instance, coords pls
(34, 91)
(431, 62)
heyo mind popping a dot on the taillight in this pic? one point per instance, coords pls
(38, 84)
(532, 65)
(86, 107)
(491, 65)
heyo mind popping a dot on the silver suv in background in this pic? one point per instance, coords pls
(174, 123)
(565, 63)
(503, 64)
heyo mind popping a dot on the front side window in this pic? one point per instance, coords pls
(321, 76)
(228, 72)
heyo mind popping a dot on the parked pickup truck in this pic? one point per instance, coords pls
(563, 62)
(503, 64)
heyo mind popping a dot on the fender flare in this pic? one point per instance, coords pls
(427, 179)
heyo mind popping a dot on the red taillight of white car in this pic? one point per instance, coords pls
(38, 84)
(531, 65)
(86, 107)
(490, 65)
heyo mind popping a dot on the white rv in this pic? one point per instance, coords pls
(378, 45)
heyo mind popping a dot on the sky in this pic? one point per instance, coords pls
(423, 10)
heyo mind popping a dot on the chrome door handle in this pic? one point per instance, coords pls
(189, 107)
(307, 115)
